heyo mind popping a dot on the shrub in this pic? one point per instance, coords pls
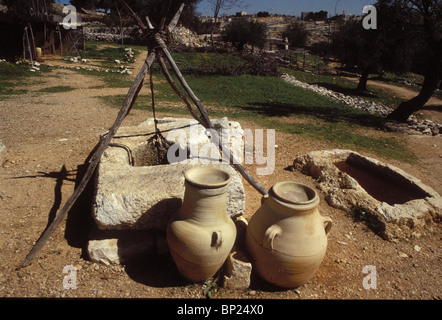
(296, 33)
(227, 64)
(242, 31)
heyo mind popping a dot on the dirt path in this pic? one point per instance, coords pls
(406, 93)
(48, 137)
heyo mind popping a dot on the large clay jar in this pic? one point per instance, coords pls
(201, 235)
(287, 237)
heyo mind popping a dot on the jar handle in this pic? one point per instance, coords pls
(328, 223)
(270, 235)
(217, 239)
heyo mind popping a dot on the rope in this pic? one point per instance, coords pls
(159, 141)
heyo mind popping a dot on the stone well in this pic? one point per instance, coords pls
(394, 203)
(137, 189)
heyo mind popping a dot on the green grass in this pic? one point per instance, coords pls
(347, 87)
(207, 63)
(111, 80)
(267, 100)
(57, 89)
(105, 52)
(414, 81)
(104, 56)
(14, 75)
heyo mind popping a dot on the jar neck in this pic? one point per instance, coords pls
(204, 205)
(291, 209)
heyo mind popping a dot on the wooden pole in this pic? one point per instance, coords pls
(205, 121)
(33, 41)
(103, 144)
(176, 89)
(99, 150)
(204, 115)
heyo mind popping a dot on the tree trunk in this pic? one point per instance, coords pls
(362, 86)
(215, 17)
(407, 108)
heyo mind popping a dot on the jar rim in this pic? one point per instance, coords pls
(207, 177)
(294, 193)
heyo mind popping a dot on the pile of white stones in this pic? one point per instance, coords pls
(185, 37)
(122, 67)
(413, 125)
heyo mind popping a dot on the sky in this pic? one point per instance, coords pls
(294, 7)
(288, 7)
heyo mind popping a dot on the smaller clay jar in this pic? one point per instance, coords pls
(287, 237)
(201, 235)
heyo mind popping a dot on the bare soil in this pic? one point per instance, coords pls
(48, 137)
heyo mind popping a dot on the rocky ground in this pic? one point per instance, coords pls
(48, 136)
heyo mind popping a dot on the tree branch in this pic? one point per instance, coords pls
(176, 18)
(133, 15)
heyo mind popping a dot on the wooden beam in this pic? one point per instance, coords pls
(205, 121)
(103, 144)
(204, 116)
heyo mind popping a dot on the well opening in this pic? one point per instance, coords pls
(381, 183)
(151, 153)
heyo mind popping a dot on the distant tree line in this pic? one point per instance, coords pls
(320, 15)
(407, 38)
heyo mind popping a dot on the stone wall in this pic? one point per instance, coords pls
(181, 36)
(107, 34)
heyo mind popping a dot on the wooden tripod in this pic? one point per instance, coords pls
(156, 48)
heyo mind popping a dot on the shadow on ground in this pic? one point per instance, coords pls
(331, 115)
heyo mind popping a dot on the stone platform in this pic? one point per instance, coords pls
(137, 189)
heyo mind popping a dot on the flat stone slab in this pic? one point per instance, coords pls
(120, 246)
(394, 203)
(137, 189)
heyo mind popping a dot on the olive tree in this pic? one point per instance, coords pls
(242, 31)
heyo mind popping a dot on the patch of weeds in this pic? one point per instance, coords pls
(19, 71)
(57, 89)
(211, 287)
(362, 214)
(359, 213)
(6, 92)
(111, 79)
(17, 74)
